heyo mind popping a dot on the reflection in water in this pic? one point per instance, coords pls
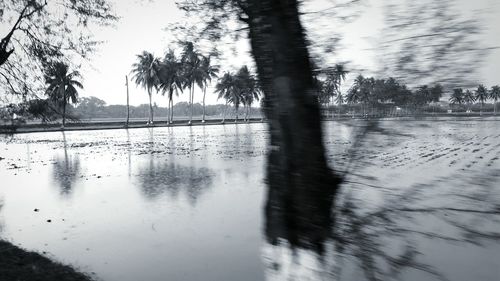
(129, 153)
(1, 222)
(298, 236)
(164, 177)
(66, 170)
(385, 240)
(28, 156)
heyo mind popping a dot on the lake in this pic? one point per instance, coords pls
(185, 203)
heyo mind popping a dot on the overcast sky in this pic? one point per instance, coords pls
(142, 24)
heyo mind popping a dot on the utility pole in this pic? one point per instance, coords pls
(128, 107)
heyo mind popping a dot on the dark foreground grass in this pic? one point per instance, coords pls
(17, 264)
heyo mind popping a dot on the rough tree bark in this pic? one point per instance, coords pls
(301, 185)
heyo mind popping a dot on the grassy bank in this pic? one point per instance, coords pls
(17, 264)
(106, 125)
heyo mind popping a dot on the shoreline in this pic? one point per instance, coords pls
(115, 125)
(93, 126)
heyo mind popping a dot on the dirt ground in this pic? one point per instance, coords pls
(17, 264)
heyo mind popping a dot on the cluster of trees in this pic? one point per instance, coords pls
(172, 75)
(61, 89)
(93, 107)
(240, 88)
(40, 31)
(372, 93)
(481, 94)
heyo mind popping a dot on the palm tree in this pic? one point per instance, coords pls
(457, 97)
(495, 96)
(353, 95)
(469, 98)
(146, 74)
(323, 95)
(209, 72)
(248, 87)
(62, 85)
(226, 88)
(340, 74)
(334, 78)
(436, 92)
(481, 95)
(192, 72)
(171, 80)
(339, 100)
(360, 91)
(422, 96)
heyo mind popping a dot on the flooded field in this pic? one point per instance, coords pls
(421, 200)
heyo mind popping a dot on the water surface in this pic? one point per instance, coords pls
(185, 203)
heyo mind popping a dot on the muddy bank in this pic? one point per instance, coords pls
(17, 264)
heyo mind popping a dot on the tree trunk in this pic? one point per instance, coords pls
(128, 105)
(172, 111)
(191, 99)
(301, 186)
(168, 106)
(62, 88)
(150, 121)
(204, 93)
(64, 112)
(224, 114)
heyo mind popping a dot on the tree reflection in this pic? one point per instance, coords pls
(1, 222)
(66, 170)
(159, 178)
(309, 240)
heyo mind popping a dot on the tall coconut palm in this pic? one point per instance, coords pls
(360, 91)
(209, 72)
(146, 74)
(323, 94)
(436, 92)
(334, 78)
(481, 95)
(457, 97)
(62, 85)
(246, 84)
(469, 98)
(422, 96)
(495, 96)
(226, 89)
(192, 72)
(340, 99)
(353, 95)
(171, 80)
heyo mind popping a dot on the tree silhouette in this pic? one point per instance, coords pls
(62, 85)
(147, 74)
